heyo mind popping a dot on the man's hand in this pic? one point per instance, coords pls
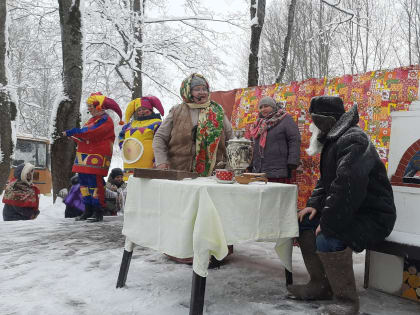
(305, 211)
(163, 166)
(318, 230)
(64, 134)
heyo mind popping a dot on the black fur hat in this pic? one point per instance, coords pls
(327, 106)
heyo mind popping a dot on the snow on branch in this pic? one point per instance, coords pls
(187, 18)
(336, 6)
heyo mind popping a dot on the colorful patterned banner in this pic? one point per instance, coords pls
(377, 94)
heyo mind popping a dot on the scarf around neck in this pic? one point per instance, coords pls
(200, 106)
(209, 131)
(264, 124)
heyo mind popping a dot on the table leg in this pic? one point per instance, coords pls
(125, 263)
(367, 269)
(289, 277)
(198, 290)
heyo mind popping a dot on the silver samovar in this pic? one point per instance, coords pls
(239, 152)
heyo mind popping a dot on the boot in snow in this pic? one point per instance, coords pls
(339, 269)
(87, 214)
(98, 215)
(318, 287)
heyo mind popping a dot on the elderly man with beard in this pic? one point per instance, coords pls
(351, 207)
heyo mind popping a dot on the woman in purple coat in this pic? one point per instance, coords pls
(74, 202)
(276, 142)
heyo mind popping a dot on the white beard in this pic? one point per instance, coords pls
(315, 146)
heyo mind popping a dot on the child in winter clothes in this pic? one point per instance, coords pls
(21, 197)
(115, 192)
(74, 200)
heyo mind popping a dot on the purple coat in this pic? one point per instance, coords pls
(74, 198)
(282, 147)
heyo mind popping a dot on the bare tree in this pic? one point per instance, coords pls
(257, 10)
(7, 106)
(67, 112)
(138, 12)
(310, 43)
(287, 39)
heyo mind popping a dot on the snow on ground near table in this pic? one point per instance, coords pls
(55, 266)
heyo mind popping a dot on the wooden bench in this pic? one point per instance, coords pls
(390, 247)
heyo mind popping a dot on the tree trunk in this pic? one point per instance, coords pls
(68, 111)
(287, 39)
(138, 12)
(7, 106)
(257, 11)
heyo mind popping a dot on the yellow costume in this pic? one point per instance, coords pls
(136, 137)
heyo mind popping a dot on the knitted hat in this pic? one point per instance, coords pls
(116, 172)
(101, 102)
(267, 100)
(327, 106)
(147, 102)
(75, 179)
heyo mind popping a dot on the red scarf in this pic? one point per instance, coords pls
(264, 124)
(20, 194)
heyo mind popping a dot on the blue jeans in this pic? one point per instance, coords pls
(323, 243)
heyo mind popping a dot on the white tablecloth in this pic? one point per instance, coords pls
(200, 217)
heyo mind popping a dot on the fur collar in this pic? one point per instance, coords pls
(346, 121)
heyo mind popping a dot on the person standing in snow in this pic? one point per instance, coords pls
(115, 192)
(136, 137)
(95, 142)
(276, 142)
(193, 136)
(21, 196)
(351, 207)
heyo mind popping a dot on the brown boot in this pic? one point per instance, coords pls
(339, 269)
(318, 287)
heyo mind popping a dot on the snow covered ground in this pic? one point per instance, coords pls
(58, 266)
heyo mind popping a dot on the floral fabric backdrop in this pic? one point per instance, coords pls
(377, 94)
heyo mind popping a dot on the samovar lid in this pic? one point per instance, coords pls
(238, 137)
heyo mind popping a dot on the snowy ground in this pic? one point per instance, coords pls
(58, 266)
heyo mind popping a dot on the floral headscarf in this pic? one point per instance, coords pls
(209, 129)
(185, 89)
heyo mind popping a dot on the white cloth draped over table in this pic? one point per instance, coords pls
(200, 217)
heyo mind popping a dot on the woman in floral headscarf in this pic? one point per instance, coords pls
(193, 135)
(21, 196)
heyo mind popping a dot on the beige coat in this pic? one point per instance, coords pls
(173, 143)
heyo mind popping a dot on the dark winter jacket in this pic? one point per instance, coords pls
(282, 147)
(354, 194)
